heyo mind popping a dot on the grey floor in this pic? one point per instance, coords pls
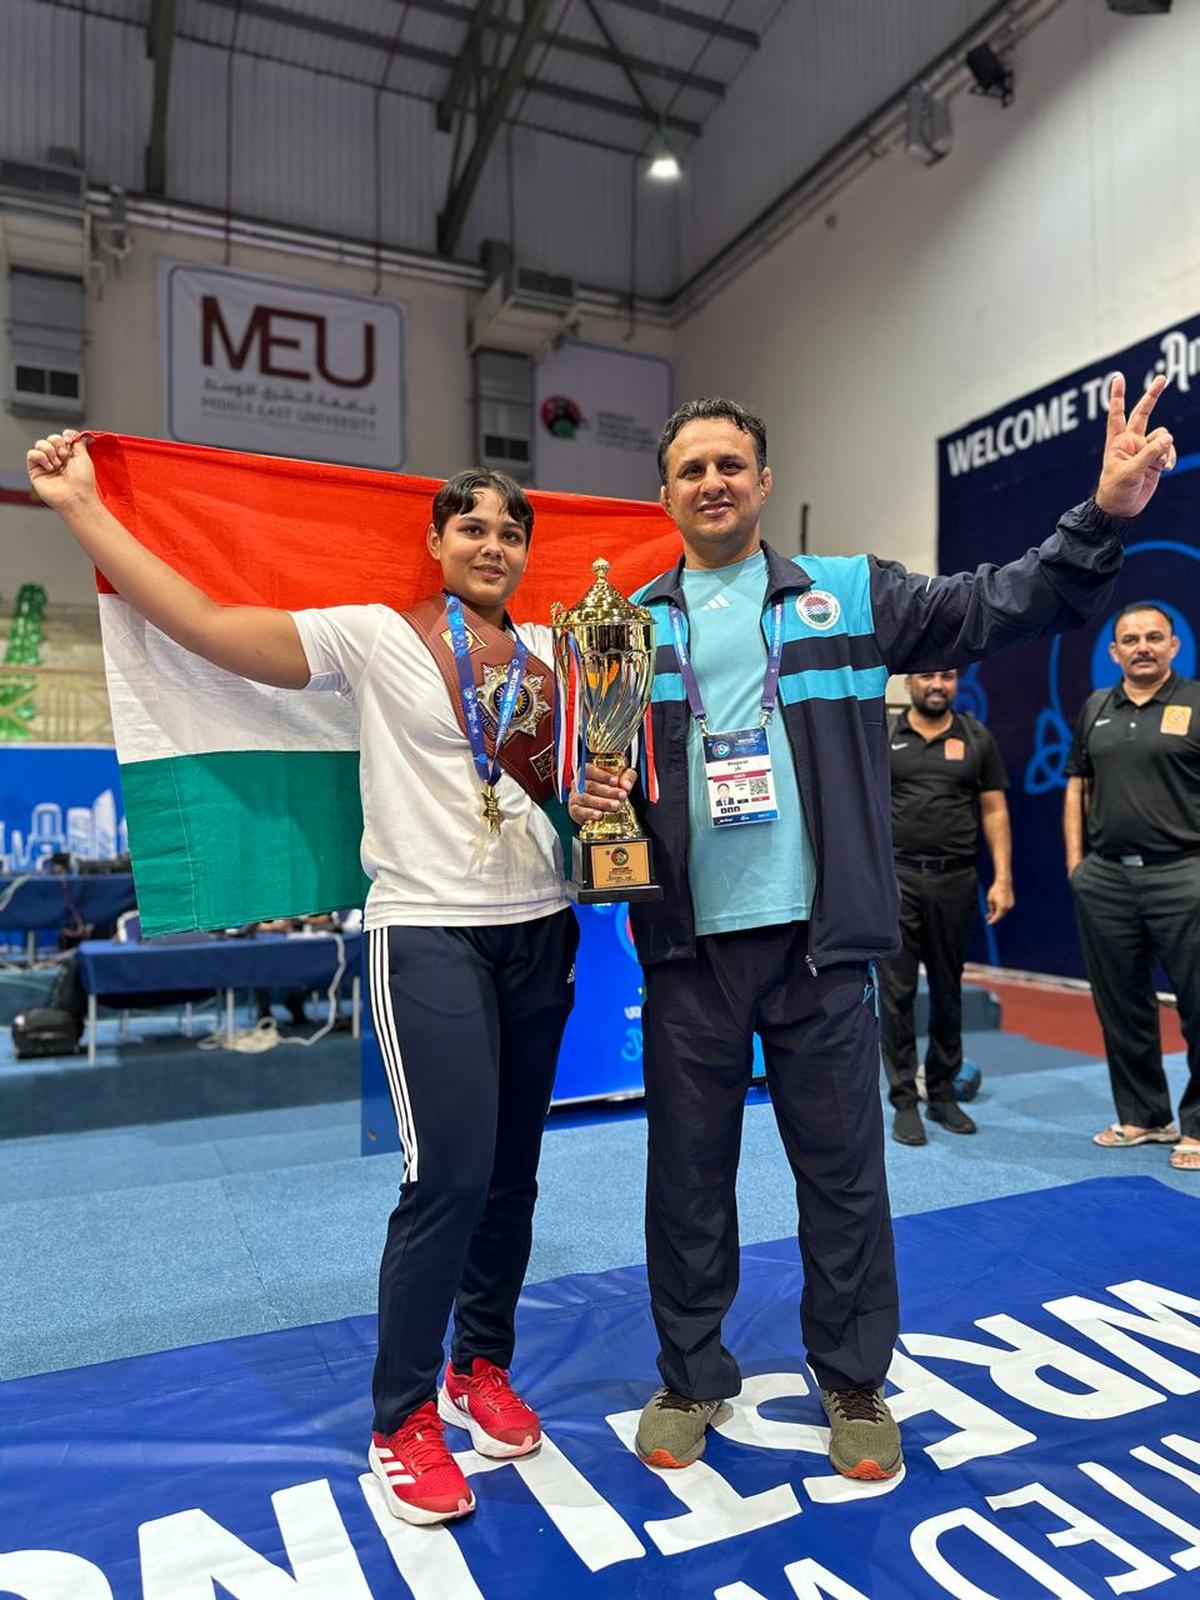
(126, 1240)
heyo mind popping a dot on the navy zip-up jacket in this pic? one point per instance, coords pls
(850, 621)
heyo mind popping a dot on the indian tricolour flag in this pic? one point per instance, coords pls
(242, 801)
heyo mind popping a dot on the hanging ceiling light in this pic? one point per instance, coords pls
(664, 164)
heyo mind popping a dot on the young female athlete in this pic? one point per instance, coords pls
(470, 941)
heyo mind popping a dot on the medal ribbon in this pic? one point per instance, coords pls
(581, 720)
(489, 773)
(649, 767)
(770, 688)
(559, 735)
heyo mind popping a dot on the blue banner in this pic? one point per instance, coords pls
(1045, 1381)
(59, 798)
(1003, 480)
(602, 1049)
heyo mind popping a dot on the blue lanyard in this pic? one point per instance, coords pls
(770, 688)
(489, 773)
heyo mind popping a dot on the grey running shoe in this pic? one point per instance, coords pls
(671, 1431)
(864, 1441)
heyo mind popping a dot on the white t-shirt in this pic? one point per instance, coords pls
(425, 847)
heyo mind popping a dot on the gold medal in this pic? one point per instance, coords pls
(491, 808)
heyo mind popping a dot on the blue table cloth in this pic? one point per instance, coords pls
(267, 961)
(52, 899)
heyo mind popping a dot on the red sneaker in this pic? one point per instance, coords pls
(499, 1422)
(421, 1480)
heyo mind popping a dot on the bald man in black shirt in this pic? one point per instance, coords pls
(1133, 797)
(948, 780)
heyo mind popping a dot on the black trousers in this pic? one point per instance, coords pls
(1128, 917)
(937, 913)
(469, 1022)
(820, 1041)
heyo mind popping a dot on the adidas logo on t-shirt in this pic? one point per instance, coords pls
(717, 603)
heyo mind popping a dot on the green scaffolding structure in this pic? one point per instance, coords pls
(23, 649)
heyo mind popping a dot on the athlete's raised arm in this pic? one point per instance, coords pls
(257, 642)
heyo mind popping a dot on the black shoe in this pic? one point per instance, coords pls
(907, 1127)
(951, 1116)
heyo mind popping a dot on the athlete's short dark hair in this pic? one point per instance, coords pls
(457, 496)
(712, 410)
(1142, 605)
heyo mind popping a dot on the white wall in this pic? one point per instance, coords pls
(821, 69)
(123, 380)
(1061, 228)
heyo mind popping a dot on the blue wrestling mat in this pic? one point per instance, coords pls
(1047, 1379)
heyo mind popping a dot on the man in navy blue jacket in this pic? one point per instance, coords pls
(772, 841)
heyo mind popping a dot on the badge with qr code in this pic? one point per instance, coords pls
(1176, 719)
(741, 784)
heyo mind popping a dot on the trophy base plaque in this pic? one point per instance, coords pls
(607, 870)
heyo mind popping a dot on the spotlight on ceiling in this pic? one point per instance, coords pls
(992, 75)
(927, 132)
(664, 164)
(1140, 8)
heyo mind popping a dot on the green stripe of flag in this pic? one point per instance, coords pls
(242, 836)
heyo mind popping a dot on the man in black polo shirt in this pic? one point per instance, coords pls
(1133, 792)
(947, 779)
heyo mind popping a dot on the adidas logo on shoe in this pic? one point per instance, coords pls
(501, 1425)
(421, 1481)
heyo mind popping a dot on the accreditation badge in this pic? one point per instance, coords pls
(1176, 719)
(739, 779)
(956, 750)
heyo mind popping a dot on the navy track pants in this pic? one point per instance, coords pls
(469, 1022)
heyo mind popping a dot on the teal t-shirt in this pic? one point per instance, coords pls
(761, 873)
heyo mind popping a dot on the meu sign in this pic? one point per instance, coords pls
(282, 369)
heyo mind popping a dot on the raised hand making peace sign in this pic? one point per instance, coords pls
(1133, 458)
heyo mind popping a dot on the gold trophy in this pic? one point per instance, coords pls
(612, 642)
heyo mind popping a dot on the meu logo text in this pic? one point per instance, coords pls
(278, 342)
